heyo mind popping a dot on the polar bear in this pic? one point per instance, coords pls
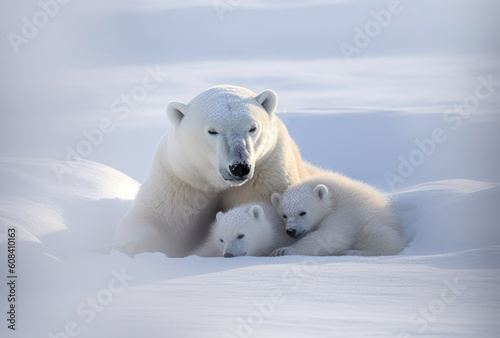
(251, 229)
(224, 148)
(331, 214)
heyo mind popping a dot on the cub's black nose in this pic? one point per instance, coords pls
(291, 232)
(239, 169)
(228, 255)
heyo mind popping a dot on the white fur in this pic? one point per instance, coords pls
(189, 180)
(342, 217)
(252, 229)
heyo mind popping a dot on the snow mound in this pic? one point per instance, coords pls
(449, 215)
(46, 210)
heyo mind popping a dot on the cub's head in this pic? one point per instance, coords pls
(223, 132)
(239, 231)
(302, 208)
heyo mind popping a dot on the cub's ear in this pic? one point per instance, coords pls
(256, 212)
(321, 191)
(268, 99)
(175, 112)
(219, 216)
(275, 199)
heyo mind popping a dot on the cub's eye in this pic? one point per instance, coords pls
(221, 240)
(252, 130)
(213, 132)
(303, 213)
(240, 236)
(284, 216)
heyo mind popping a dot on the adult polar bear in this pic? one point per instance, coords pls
(225, 148)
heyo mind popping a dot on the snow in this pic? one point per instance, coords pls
(363, 118)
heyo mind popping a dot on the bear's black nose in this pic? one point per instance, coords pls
(228, 255)
(239, 169)
(291, 232)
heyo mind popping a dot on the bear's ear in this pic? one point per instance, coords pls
(321, 191)
(275, 199)
(219, 216)
(268, 99)
(256, 212)
(175, 112)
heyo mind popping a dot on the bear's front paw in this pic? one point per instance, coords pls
(286, 251)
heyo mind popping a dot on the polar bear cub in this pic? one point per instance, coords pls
(251, 229)
(331, 214)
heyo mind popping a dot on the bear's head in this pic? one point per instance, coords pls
(302, 208)
(223, 132)
(240, 231)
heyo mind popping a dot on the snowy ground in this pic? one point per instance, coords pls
(365, 118)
